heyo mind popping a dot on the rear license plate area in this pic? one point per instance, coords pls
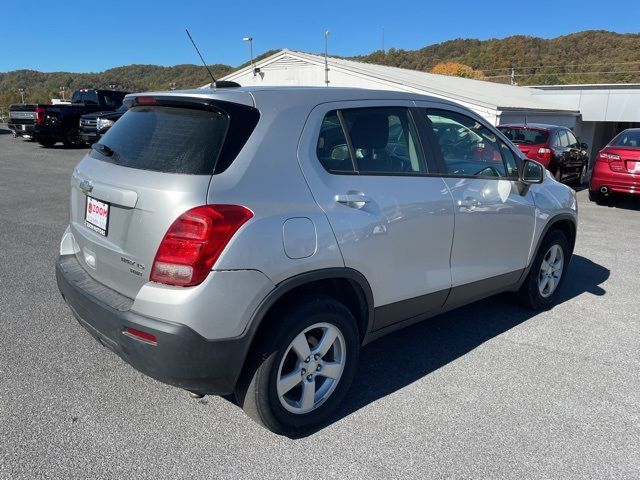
(96, 216)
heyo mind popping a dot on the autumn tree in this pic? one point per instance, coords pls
(457, 70)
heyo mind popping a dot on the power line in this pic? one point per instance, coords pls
(560, 74)
(559, 66)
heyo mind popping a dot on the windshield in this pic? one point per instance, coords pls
(628, 138)
(527, 136)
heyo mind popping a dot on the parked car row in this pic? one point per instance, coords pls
(615, 171)
(90, 113)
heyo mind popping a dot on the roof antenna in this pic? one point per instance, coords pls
(525, 121)
(203, 62)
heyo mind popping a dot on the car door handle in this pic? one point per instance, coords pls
(469, 203)
(353, 200)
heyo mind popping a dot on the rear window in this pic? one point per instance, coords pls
(178, 140)
(628, 138)
(526, 136)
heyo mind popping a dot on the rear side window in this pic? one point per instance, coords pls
(525, 136)
(381, 140)
(178, 140)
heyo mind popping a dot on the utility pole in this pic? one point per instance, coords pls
(250, 40)
(21, 90)
(513, 76)
(383, 40)
(326, 57)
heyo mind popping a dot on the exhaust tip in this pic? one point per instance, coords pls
(195, 395)
(604, 190)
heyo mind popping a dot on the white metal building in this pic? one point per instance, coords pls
(497, 103)
(594, 112)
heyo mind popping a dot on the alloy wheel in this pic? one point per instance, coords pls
(311, 368)
(550, 271)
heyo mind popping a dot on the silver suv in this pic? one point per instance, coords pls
(249, 241)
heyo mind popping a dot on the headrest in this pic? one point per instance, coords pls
(370, 130)
(519, 136)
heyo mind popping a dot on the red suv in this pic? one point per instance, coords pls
(617, 167)
(556, 147)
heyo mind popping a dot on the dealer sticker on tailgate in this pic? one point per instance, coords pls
(97, 216)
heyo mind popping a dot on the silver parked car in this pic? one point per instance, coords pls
(249, 241)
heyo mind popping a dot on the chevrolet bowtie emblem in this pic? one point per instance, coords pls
(86, 186)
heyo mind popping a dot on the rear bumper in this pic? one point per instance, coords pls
(21, 129)
(603, 176)
(181, 357)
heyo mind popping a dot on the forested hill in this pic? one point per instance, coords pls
(41, 87)
(585, 57)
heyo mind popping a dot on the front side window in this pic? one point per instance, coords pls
(468, 148)
(382, 140)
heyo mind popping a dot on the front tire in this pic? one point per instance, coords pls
(298, 376)
(547, 273)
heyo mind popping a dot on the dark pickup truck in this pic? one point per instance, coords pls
(49, 124)
(94, 125)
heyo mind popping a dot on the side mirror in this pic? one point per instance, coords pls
(340, 152)
(532, 172)
(584, 146)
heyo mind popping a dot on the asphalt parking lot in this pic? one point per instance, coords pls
(487, 391)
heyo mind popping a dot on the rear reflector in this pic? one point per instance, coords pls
(194, 242)
(140, 335)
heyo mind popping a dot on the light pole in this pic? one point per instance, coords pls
(21, 90)
(250, 40)
(326, 57)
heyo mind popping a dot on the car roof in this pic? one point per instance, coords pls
(533, 126)
(301, 95)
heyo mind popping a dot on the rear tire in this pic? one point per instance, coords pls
(294, 381)
(47, 142)
(547, 273)
(596, 197)
(72, 139)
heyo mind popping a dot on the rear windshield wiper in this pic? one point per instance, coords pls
(103, 149)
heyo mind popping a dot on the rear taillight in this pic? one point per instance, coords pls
(615, 162)
(39, 115)
(544, 153)
(608, 157)
(194, 242)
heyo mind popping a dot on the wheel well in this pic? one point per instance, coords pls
(568, 228)
(344, 290)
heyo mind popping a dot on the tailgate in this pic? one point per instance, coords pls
(140, 207)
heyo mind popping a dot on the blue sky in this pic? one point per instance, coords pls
(88, 36)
